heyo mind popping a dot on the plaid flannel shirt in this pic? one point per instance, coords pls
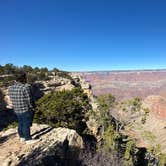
(21, 97)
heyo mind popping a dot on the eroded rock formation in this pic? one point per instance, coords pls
(157, 104)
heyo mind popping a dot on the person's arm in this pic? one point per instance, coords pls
(28, 97)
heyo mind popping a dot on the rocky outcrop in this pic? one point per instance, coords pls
(56, 83)
(156, 104)
(56, 146)
(5, 102)
(91, 123)
(77, 77)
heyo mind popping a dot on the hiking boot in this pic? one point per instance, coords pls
(32, 141)
(22, 139)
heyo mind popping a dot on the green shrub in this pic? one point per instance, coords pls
(104, 118)
(39, 73)
(144, 117)
(43, 76)
(63, 109)
(106, 101)
(130, 152)
(133, 105)
(149, 136)
(109, 138)
(7, 81)
(162, 159)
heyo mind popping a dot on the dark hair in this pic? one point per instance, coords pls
(21, 77)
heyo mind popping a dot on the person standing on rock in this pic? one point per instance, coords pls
(21, 97)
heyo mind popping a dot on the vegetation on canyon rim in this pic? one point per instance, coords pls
(34, 74)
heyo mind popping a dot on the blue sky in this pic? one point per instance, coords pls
(81, 35)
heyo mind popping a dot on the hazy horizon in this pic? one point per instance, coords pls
(109, 70)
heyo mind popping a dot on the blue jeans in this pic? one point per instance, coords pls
(24, 123)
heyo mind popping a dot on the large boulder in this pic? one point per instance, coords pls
(56, 146)
(57, 83)
(5, 102)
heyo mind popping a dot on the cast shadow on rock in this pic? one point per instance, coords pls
(7, 117)
(59, 154)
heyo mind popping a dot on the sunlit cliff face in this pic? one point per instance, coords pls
(157, 104)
